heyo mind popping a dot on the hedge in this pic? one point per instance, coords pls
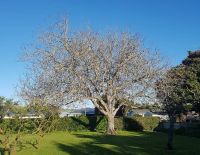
(86, 123)
(99, 123)
(148, 123)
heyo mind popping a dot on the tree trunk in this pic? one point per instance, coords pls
(13, 150)
(171, 133)
(111, 125)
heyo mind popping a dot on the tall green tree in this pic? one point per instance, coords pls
(180, 89)
(190, 87)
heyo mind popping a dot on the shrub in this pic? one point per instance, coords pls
(119, 123)
(83, 123)
(14, 125)
(131, 124)
(72, 124)
(102, 124)
(148, 123)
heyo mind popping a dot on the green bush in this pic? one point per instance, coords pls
(72, 124)
(131, 124)
(119, 123)
(139, 123)
(148, 123)
(101, 126)
(83, 123)
(92, 123)
(14, 125)
(99, 123)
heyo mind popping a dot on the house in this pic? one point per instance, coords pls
(32, 116)
(27, 116)
(70, 114)
(147, 113)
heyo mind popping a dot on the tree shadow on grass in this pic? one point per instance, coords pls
(98, 144)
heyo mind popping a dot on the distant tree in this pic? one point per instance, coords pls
(67, 67)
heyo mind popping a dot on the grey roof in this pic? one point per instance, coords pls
(140, 110)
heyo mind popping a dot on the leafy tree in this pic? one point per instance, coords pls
(180, 90)
(171, 98)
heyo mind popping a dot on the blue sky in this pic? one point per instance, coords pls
(171, 26)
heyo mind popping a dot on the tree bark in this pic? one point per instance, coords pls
(171, 133)
(111, 125)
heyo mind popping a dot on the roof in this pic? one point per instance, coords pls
(140, 110)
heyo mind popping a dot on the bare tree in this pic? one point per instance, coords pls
(66, 67)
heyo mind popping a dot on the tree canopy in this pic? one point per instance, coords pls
(69, 66)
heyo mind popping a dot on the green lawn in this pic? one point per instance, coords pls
(92, 143)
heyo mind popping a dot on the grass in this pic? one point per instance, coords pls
(92, 143)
